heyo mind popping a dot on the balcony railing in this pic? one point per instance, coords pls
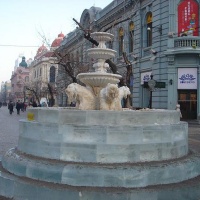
(193, 42)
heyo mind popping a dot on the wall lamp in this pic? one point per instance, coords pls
(159, 28)
(170, 81)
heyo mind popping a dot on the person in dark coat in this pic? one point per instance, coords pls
(18, 107)
(34, 104)
(10, 107)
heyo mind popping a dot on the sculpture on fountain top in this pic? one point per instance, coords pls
(84, 98)
(108, 97)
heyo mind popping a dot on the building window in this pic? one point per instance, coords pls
(26, 79)
(121, 41)
(110, 44)
(40, 71)
(77, 59)
(77, 56)
(35, 74)
(149, 29)
(81, 53)
(52, 77)
(131, 37)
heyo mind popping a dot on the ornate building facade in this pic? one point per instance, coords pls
(160, 38)
(19, 79)
(43, 72)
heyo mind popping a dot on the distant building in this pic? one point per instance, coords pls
(18, 60)
(43, 71)
(23, 63)
(5, 91)
(19, 80)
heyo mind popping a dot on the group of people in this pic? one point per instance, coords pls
(20, 106)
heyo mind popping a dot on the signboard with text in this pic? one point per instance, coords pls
(145, 77)
(187, 78)
(188, 18)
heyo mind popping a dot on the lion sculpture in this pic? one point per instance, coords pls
(84, 98)
(108, 97)
(124, 91)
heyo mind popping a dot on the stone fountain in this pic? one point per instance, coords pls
(101, 91)
(106, 154)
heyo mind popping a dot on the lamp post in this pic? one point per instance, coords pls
(151, 84)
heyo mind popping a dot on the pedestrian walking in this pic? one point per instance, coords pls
(178, 109)
(10, 107)
(34, 104)
(25, 106)
(18, 107)
(22, 106)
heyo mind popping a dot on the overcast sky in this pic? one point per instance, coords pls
(21, 20)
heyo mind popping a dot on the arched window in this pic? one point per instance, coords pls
(81, 53)
(26, 79)
(52, 77)
(149, 29)
(131, 36)
(72, 57)
(109, 44)
(40, 71)
(77, 56)
(121, 41)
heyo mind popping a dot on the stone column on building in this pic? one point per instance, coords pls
(172, 83)
(198, 94)
(172, 15)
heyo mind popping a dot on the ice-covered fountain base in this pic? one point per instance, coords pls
(74, 154)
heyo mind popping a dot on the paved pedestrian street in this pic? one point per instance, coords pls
(9, 128)
(9, 131)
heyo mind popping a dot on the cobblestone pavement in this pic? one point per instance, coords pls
(9, 131)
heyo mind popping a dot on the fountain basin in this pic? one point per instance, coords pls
(98, 79)
(103, 136)
(102, 36)
(98, 53)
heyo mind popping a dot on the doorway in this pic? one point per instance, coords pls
(188, 103)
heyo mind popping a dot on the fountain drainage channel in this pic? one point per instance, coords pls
(103, 153)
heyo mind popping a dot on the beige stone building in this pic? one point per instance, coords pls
(43, 73)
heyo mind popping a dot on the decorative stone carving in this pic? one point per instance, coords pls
(124, 91)
(108, 97)
(85, 99)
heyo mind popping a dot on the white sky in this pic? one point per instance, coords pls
(21, 20)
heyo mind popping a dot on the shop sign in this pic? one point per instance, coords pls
(187, 78)
(145, 77)
(188, 18)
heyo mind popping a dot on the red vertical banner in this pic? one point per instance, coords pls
(188, 18)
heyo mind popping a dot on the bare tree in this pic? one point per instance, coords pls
(34, 89)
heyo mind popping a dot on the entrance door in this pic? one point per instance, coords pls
(188, 103)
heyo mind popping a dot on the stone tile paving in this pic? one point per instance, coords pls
(9, 129)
